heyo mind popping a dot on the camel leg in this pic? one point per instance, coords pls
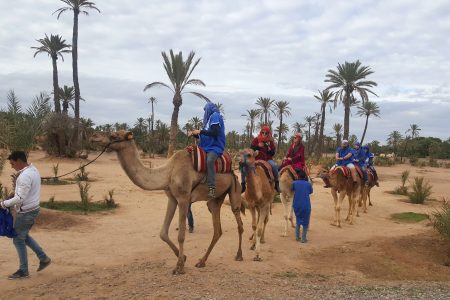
(285, 201)
(354, 201)
(368, 195)
(365, 192)
(263, 214)
(266, 220)
(170, 212)
(291, 216)
(253, 237)
(183, 206)
(214, 207)
(349, 208)
(236, 209)
(336, 207)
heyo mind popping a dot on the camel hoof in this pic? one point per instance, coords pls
(252, 247)
(257, 258)
(365, 211)
(263, 241)
(178, 271)
(200, 264)
(370, 204)
(283, 235)
(239, 258)
(251, 237)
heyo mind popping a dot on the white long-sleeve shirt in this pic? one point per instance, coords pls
(27, 192)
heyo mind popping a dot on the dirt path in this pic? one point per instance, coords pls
(120, 255)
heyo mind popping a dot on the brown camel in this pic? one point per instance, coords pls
(259, 195)
(182, 185)
(287, 196)
(365, 191)
(342, 184)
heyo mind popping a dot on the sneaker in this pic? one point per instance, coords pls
(211, 192)
(18, 275)
(304, 241)
(44, 264)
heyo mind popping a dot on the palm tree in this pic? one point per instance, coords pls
(414, 129)
(338, 132)
(282, 130)
(220, 108)
(309, 120)
(281, 109)
(298, 127)
(196, 122)
(179, 73)
(266, 108)
(188, 127)
(348, 78)
(325, 97)
(54, 46)
(394, 139)
(316, 127)
(67, 95)
(251, 115)
(367, 109)
(76, 6)
(153, 101)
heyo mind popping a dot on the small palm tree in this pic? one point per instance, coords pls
(281, 109)
(266, 108)
(196, 122)
(414, 130)
(179, 72)
(348, 78)
(220, 108)
(67, 95)
(251, 115)
(368, 109)
(54, 46)
(337, 127)
(325, 98)
(394, 139)
(298, 127)
(153, 101)
(76, 6)
(309, 121)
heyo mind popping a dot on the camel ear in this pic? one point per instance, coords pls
(129, 136)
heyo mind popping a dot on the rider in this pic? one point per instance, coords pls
(212, 141)
(344, 157)
(265, 148)
(369, 162)
(359, 158)
(296, 154)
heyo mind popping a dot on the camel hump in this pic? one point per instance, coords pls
(290, 171)
(198, 158)
(267, 169)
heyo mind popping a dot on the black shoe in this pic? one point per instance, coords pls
(212, 192)
(277, 186)
(44, 264)
(18, 275)
(243, 187)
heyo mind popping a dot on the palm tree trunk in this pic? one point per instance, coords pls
(279, 131)
(322, 125)
(55, 86)
(365, 128)
(174, 124)
(309, 137)
(346, 116)
(76, 84)
(153, 118)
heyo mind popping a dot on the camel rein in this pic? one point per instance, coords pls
(103, 151)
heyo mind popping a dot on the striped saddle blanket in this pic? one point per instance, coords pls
(346, 171)
(267, 169)
(291, 172)
(198, 157)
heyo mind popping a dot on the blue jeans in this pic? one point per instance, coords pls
(274, 166)
(190, 217)
(211, 158)
(364, 171)
(22, 225)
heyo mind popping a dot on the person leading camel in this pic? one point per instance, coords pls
(302, 204)
(344, 157)
(266, 149)
(212, 141)
(296, 154)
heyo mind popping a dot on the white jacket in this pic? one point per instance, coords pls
(27, 193)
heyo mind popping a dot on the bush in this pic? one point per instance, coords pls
(109, 200)
(441, 219)
(384, 162)
(413, 160)
(327, 162)
(83, 175)
(84, 194)
(433, 163)
(421, 191)
(403, 189)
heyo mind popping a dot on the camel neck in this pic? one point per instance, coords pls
(142, 176)
(253, 183)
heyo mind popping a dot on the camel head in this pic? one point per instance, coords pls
(248, 157)
(116, 140)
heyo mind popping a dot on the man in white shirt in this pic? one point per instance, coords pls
(26, 202)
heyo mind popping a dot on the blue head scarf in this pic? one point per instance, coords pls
(366, 148)
(209, 109)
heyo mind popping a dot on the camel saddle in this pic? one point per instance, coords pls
(346, 171)
(267, 169)
(291, 171)
(198, 157)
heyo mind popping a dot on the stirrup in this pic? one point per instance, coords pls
(211, 192)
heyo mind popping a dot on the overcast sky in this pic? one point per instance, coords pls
(279, 48)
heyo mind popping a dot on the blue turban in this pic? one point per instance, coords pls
(209, 109)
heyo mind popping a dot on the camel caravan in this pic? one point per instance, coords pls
(205, 173)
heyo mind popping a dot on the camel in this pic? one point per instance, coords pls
(182, 185)
(365, 191)
(259, 195)
(342, 184)
(287, 196)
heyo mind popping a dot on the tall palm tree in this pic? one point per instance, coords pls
(67, 95)
(76, 6)
(153, 101)
(325, 97)
(251, 115)
(282, 130)
(188, 127)
(367, 109)
(349, 78)
(179, 72)
(394, 139)
(337, 127)
(196, 122)
(266, 109)
(414, 130)
(298, 127)
(281, 109)
(220, 108)
(54, 46)
(309, 121)
(316, 127)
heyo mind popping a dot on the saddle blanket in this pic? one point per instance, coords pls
(291, 171)
(198, 158)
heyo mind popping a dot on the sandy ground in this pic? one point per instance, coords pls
(119, 254)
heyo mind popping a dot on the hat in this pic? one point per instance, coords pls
(344, 141)
(298, 134)
(358, 144)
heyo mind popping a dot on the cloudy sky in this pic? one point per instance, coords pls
(275, 48)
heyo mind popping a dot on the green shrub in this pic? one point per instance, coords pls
(83, 175)
(441, 219)
(410, 217)
(413, 160)
(84, 194)
(327, 162)
(109, 200)
(433, 163)
(421, 191)
(403, 189)
(384, 162)
(447, 165)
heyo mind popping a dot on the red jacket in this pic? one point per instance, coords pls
(266, 152)
(298, 157)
